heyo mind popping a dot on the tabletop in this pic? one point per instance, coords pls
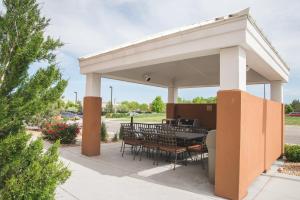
(189, 136)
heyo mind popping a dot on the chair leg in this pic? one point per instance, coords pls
(154, 157)
(175, 161)
(134, 152)
(202, 161)
(123, 150)
(141, 153)
(122, 146)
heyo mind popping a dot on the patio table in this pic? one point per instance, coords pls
(189, 136)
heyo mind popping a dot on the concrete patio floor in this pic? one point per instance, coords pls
(110, 176)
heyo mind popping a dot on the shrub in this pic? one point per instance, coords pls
(115, 138)
(104, 134)
(26, 171)
(121, 133)
(61, 131)
(292, 152)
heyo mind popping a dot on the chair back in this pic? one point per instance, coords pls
(128, 133)
(150, 135)
(167, 138)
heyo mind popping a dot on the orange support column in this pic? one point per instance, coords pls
(91, 126)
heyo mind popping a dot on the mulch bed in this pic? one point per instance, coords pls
(290, 169)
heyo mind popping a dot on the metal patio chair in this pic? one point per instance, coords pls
(168, 143)
(131, 138)
(150, 143)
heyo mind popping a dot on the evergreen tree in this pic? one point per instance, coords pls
(23, 43)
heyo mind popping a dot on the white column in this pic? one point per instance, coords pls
(93, 85)
(172, 94)
(233, 68)
(276, 91)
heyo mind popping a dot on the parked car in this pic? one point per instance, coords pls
(68, 114)
(294, 114)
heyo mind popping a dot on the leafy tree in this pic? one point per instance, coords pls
(182, 100)
(128, 106)
(211, 100)
(23, 43)
(73, 107)
(133, 105)
(296, 105)
(158, 105)
(205, 100)
(52, 110)
(144, 107)
(288, 109)
(199, 100)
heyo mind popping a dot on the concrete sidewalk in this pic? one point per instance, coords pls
(113, 177)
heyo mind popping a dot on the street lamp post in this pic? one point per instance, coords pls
(111, 99)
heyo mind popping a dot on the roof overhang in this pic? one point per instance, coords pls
(189, 52)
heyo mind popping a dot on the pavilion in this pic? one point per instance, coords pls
(229, 52)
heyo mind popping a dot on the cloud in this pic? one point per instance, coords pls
(89, 26)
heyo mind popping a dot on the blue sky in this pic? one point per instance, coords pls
(89, 26)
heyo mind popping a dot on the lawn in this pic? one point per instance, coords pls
(292, 120)
(157, 117)
(146, 118)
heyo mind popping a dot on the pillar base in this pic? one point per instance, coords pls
(92, 107)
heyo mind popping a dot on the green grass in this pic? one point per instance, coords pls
(157, 117)
(145, 118)
(292, 120)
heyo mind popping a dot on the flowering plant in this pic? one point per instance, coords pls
(66, 133)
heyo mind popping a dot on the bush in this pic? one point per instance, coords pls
(121, 133)
(104, 135)
(61, 131)
(292, 152)
(115, 138)
(27, 172)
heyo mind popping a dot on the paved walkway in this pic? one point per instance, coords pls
(113, 177)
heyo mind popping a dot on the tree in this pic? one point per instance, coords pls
(22, 43)
(123, 108)
(296, 105)
(199, 100)
(144, 107)
(158, 105)
(211, 100)
(73, 107)
(288, 109)
(182, 100)
(51, 111)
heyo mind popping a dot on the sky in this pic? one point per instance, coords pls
(89, 26)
